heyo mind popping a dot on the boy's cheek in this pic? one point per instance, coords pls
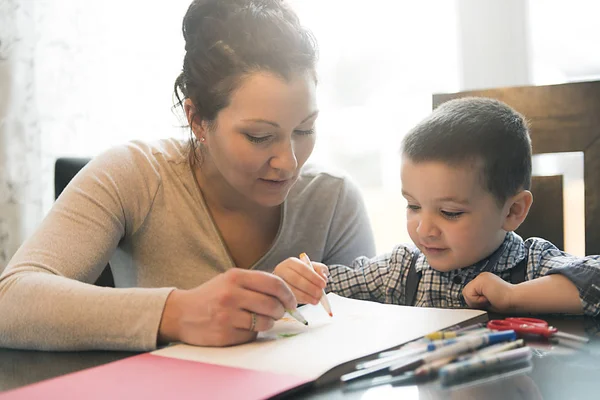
(411, 227)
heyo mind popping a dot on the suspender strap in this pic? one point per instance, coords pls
(517, 274)
(412, 281)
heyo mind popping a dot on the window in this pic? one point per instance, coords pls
(379, 64)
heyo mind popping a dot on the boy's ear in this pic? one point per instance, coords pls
(516, 209)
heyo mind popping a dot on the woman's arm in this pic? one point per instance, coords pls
(44, 301)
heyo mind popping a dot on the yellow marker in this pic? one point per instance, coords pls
(324, 301)
(440, 335)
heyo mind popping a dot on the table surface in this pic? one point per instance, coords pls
(558, 371)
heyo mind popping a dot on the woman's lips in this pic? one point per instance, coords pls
(276, 184)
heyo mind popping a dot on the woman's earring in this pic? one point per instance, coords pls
(202, 139)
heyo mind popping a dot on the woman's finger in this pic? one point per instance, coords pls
(259, 303)
(252, 322)
(265, 283)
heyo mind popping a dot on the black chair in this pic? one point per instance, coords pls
(64, 170)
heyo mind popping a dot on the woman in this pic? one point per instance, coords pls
(193, 230)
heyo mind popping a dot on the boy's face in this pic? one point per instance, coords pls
(451, 218)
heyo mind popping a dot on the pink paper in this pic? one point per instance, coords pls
(153, 377)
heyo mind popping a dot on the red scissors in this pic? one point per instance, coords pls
(531, 326)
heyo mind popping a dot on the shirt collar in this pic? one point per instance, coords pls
(514, 251)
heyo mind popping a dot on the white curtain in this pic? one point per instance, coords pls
(20, 138)
(77, 77)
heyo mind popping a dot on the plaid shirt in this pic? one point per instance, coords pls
(383, 278)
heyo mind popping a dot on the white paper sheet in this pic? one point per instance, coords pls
(358, 328)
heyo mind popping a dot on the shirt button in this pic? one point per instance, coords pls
(457, 279)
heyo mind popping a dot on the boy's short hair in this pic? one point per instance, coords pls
(476, 129)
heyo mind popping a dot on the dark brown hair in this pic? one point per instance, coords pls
(476, 129)
(225, 40)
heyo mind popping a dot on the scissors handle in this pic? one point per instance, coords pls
(525, 320)
(499, 325)
(523, 326)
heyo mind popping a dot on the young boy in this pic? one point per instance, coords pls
(466, 173)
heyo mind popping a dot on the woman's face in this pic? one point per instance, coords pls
(262, 138)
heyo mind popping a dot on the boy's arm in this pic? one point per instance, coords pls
(378, 279)
(585, 276)
(582, 273)
(557, 283)
(546, 294)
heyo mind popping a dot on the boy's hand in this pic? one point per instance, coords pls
(489, 291)
(306, 283)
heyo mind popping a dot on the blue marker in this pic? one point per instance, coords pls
(455, 349)
(483, 363)
(414, 355)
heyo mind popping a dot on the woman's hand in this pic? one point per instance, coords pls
(488, 291)
(306, 283)
(229, 309)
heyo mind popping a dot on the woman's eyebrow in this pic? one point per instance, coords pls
(262, 121)
(275, 124)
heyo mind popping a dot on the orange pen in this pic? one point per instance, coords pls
(324, 301)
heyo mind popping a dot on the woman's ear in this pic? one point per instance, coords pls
(195, 125)
(516, 210)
